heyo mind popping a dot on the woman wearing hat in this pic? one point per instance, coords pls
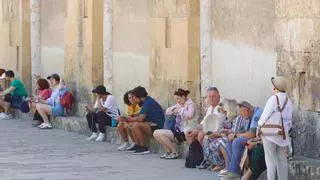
(185, 112)
(215, 142)
(104, 110)
(275, 145)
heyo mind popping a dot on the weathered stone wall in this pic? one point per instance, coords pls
(83, 63)
(9, 34)
(298, 49)
(53, 13)
(15, 38)
(243, 48)
(175, 49)
(131, 46)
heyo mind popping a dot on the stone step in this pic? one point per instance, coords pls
(79, 125)
(301, 168)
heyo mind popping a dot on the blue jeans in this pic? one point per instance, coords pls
(235, 151)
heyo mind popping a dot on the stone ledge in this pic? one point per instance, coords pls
(79, 125)
(304, 168)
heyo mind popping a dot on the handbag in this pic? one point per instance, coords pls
(170, 122)
(274, 125)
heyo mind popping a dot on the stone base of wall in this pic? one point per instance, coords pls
(299, 168)
(306, 126)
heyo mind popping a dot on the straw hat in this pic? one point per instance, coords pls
(211, 123)
(279, 83)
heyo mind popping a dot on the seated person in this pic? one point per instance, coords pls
(133, 109)
(257, 162)
(215, 143)
(42, 92)
(236, 144)
(14, 95)
(150, 118)
(213, 99)
(3, 85)
(105, 108)
(52, 105)
(185, 112)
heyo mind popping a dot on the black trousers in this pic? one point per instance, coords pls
(100, 118)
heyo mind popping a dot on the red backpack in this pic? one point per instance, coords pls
(67, 100)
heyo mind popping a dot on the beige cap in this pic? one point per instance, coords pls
(279, 83)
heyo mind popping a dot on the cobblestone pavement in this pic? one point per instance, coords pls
(28, 153)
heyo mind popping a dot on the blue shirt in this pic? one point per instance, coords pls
(54, 99)
(255, 119)
(153, 111)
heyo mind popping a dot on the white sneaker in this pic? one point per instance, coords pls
(4, 116)
(45, 126)
(101, 137)
(223, 172)
(93, 137)
(124, 146)
(131, 146)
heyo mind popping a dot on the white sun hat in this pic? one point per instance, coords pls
(211, 123)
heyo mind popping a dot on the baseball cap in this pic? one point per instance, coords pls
(245, 104)
(54, 76)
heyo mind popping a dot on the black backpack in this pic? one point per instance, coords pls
(195, 155)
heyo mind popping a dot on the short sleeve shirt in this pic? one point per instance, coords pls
(20, 89)
(110, 105)
(153, 111)
(255, 119)
(133, 110)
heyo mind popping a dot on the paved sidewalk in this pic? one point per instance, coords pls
(28, 153)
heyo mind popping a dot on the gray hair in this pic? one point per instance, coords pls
(231, 107)
(213, 89)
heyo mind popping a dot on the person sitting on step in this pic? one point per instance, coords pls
(4, 84)
(185, 113)
(51, 106)
(150, 118)
(14, 95)
(213, 99)
(105, 108)
(124, 127)
(42, 92)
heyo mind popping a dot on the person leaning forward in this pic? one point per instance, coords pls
(150, 118)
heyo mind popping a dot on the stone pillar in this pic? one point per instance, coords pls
(35, 38)
(24, 49)
(298, 48)
(107, 43)
(205, 45)
(83, 49)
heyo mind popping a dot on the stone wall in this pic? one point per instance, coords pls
(15, 38)
(83, 59)
(53, 13)
(243, 49)
(131, 46)
(298, 49)
(175, 49)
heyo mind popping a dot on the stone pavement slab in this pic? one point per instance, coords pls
(28, 153)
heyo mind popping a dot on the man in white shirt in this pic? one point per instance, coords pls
(213, 99)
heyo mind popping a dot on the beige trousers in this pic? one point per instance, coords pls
(276, 160)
